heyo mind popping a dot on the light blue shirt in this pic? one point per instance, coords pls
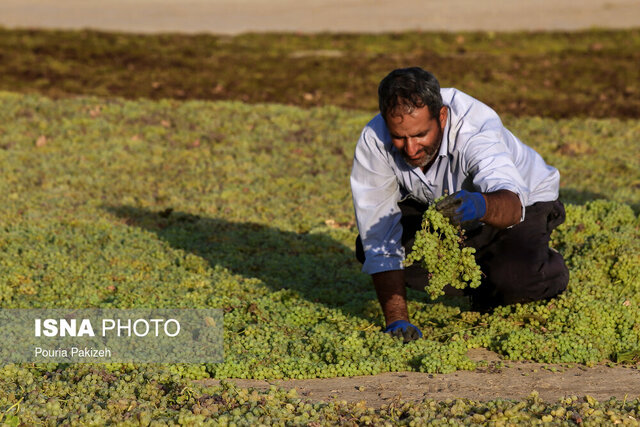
(477, 154)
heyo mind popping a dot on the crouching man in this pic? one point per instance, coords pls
(429, 141)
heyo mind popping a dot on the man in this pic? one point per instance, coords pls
(425, 143)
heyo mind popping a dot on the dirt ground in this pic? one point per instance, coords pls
(237, 16)
(498, 379)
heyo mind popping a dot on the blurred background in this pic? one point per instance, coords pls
(236, 16)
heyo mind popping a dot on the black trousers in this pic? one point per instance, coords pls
(517, 263)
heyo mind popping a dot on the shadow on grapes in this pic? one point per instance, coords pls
(317, 267)
(580, 197)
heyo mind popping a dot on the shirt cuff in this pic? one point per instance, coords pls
(379, 263)
(522, 204)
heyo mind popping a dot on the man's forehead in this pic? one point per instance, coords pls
(398, 114)
(403, 108)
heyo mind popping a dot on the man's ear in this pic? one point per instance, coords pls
(444, 113)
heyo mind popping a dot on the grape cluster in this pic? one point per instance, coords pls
(439, 248)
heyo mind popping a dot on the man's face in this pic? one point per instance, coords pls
(417, 135)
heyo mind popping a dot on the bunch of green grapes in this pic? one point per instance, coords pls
(439, 248)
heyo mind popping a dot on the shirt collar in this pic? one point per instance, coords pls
(444, 145)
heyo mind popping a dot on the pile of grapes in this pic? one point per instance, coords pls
(439, 249)
(74, 234)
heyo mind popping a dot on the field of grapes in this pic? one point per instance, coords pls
(118, 200)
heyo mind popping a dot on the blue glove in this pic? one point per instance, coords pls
(403, 329)
(463, 206)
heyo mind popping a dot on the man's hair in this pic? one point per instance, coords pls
(405, 89)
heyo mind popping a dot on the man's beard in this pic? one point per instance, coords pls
(429, 154)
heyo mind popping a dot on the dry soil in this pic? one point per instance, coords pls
(498, 379)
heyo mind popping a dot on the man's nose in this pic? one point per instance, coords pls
(412, 147)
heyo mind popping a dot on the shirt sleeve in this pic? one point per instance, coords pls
(376, 193)
(490, 163)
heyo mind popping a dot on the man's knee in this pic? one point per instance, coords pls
(525, 282)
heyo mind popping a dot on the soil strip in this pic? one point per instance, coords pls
(499, 379)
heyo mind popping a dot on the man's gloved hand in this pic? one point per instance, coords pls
(403, 329)
(463, 206)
